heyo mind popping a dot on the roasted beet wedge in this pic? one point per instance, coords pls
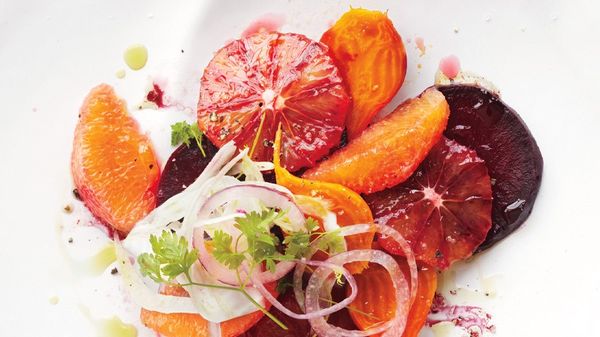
(183, 167)
(481, 121)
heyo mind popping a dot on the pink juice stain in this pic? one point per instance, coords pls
(470, 318)
(450, 66)
(266, 23)
(420, 43)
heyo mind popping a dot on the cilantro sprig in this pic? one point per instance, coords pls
(183, 132)
(171, 256)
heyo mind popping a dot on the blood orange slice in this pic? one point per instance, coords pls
(482, 121)
(113, 164)
(443, 210)
(253, 84)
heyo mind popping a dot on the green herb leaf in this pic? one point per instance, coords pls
(297, 244)
(311, 224)
(183, 132)
(223, 251)
(170, 257)
(262, 244)
(331, 242)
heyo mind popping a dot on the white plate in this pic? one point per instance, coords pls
(544, 56)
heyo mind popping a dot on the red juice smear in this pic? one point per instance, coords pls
(266, 23)
(156, 96)
(470, 318)
(450, 66)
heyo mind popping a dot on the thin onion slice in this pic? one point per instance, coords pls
(317, 313)
(315, 283)
(405, 297)
(270, 197)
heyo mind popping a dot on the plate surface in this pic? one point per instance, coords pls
(543, 55)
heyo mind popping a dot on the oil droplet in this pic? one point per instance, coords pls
(99, 262)
(489, 286)
(443, 329)
(120, 73)
(115, 327)
(53, 300)
(136, 56)
(420, 43)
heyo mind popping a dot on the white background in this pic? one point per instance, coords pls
(543, 55)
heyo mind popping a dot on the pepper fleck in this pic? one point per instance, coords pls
(114, 271)
(70, 240)
(76, 194)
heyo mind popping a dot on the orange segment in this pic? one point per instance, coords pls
(113, 164)
(349, 207)
(371, 57)
(389, 151)
(380, 305)
(193, 325)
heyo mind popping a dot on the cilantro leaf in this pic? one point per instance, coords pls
(262, 244)
(223, 252)
(183, 132)
(297, 244)
(311, 224)
(331, 242)
(170, 257)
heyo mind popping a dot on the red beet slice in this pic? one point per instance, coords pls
(481, 121)
(183, 167)
(443, 210)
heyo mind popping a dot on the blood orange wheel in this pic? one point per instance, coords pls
(253, 84)
(444, 210)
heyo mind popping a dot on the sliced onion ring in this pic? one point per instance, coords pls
(397, 324)
(394, 327)
(271, 197)
(317, 313)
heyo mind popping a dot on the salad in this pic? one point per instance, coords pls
(290, 208)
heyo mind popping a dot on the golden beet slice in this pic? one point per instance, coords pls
(371, 57)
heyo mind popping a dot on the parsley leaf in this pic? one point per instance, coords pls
(223, 252)
(262, 244)
(183, 132)
(297, 244)
(170, 257)
(331, 242)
